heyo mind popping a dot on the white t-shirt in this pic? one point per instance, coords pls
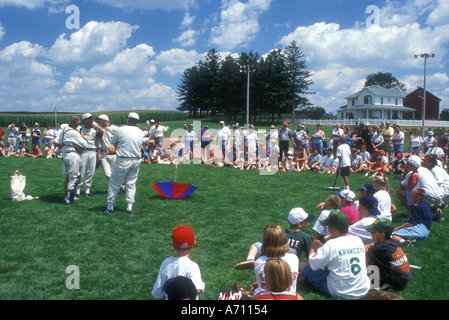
(317, 227)
(344, 257)
(384, 203)
(337, 131)
(172, 267)
(358, 229)
(223, 133)
(290, 258)
(189, 136)
(428, 182)
(344, 151)
(415, 141)
(442, 178)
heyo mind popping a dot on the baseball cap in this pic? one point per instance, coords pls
(298, 215)
(222, 122)
(183, 238)
(430, 133)
(336, 219)
(376, 150)
(284, 123)
(86, 116)
(133, 115)
(380, 224)
(346, 194)
(103, 117)
(399, 155)
(369, 188)
(180, 288)
(414, 161)
(370, 203)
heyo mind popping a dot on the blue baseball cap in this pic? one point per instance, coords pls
(369, 188)
(371, 204)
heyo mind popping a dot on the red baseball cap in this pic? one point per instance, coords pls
(183, 238)
(284, 123)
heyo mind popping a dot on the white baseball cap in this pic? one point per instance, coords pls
(86, 116)
(298, 215)
(346, 194)
(133, 115)
(414, 161)
(103, 117)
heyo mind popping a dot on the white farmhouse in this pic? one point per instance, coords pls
(375, 102)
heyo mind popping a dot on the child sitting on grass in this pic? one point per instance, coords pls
(183, 241)
(385, 253)
(278, 279)
(418, 225)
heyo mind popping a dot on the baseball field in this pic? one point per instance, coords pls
(117, 256)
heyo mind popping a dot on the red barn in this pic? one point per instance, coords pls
(414, 101)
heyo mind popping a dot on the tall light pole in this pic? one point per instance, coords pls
(425, 56)
(248, 69)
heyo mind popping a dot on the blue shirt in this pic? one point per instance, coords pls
(421, 214)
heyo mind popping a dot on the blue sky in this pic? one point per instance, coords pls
(131, 54)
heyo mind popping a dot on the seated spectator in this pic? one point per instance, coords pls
(313, 160)
(298, 240)
(376, 168)
(21, 151)
(437, 151)
(300, 158)
(278, 280)
(418, 225)
(332, 202)
(347, 197)
(368, 210)
(325, 162)
(409, 181)
(382, 194)
(50, 149)
(385, 161)
(356, 161)
(384, 253)
(366, 190)
(365, 155)
(330, 267)
(397, 167)
(35, 152)
(289, 164)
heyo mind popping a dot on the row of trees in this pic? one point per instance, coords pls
(279, 84)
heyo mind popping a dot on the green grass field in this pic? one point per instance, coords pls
(119, 255)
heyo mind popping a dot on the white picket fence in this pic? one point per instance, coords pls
(352, 122)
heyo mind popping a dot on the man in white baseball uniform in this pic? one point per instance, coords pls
(107, 159)
(71, 160)
(91, 132)
(128, 143)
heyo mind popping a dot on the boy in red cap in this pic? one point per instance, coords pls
(183, 240)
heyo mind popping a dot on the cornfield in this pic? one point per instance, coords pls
(115, 117)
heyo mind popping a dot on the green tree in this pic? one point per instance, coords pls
(299, 77)
(386, 80)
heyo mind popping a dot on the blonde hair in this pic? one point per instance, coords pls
(274, 244)
(381, 181)
(334, 201)
(278, 274)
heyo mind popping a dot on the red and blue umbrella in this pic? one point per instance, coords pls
(174, 190)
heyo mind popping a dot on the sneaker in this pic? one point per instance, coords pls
(88, 194)
(76, 196)
(128, 211)
(67, 201)
(439, 215)
(108, 211)
(247, 264)
(408, 243)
